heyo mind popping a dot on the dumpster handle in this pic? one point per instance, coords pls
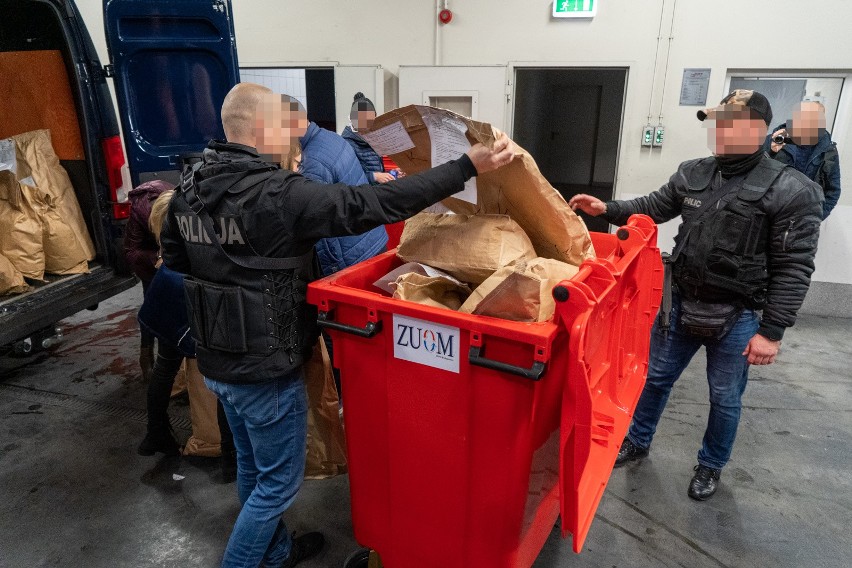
(534, 373)
(324, 319)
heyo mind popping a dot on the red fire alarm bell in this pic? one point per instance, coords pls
(446, 16)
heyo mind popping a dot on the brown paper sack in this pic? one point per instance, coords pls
(517, 189)
(468, 247)
(179, 386)
(62, 251)
(326, 447)
(36, 158)
(430, 291)
(21, 231)
(11, 279)
(205, 437)
(521, 292)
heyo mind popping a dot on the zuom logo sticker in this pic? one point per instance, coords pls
(426, 343)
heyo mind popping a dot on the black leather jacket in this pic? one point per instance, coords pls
(758, 249)
(281, 217)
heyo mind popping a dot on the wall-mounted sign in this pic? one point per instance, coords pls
(575, 8)
(694, 87)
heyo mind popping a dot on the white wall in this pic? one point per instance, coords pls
(720, 35)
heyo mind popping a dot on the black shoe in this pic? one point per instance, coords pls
(159, 441)
(629, 452)
(229, 467)
(704, 483)
(306, 546)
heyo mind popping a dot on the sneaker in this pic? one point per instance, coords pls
(306, 546)
(159, 441)
(629, 452)
(704, 483)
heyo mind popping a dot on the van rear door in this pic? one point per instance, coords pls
(173, 63)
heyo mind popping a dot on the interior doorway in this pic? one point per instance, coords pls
(569, 120)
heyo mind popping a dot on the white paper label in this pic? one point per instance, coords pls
(389, 140)
(447, 135)
(427, 343)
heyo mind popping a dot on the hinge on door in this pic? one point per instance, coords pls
(109, 70)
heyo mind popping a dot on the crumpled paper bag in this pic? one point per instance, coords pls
(468, 247)
(520, 292)
(517, 189)
(435, 291)
(326, 447)
(11, 279)
(21, 229)
(206, 439)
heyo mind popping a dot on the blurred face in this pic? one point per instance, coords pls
(278, 126)
(362, 119)
(732, 131)
(807, 121)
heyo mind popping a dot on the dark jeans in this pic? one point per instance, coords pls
(146, 336)
(269, 421)
(727, 375)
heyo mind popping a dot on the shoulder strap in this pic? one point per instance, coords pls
(188, 188)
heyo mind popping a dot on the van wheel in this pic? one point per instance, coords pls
(358, 559)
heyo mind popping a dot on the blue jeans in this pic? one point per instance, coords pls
(727, 374)
(269, 422)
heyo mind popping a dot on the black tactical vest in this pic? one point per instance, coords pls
(724, 252)
(249, 314)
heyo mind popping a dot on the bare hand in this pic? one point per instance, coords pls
(486, 160)
(382, 177)
(776, 147)
(761, 350)
(587, 204)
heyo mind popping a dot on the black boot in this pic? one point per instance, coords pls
(306, 546)
(159, 439)
(629, 452)
(704, 483)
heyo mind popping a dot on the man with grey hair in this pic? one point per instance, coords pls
(805, 144)
(243, 231)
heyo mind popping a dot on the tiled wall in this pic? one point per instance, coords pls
(286, 81)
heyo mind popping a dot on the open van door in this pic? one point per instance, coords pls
(173, 64)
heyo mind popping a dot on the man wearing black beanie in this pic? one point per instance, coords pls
(736, 278)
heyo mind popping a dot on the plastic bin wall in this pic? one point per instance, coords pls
(465, 454)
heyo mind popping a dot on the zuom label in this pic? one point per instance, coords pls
(426, 343)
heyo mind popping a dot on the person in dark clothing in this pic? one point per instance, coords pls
(807, 146)
(141, 253)
(361, 116)
(243, 231)
(747, 243)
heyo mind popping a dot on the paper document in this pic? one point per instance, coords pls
(447, 135)
(392, 139)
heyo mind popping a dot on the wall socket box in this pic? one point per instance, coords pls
(648, 136)
(659, 135)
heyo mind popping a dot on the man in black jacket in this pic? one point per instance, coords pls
(243, 230)
(747, 243)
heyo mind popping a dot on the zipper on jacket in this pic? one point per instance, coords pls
(786, 234)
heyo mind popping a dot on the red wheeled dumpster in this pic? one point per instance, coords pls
(469, 435)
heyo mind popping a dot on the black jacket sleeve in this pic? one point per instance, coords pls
(171, 242)
(793, 237)
(316, 210)
(661, 206)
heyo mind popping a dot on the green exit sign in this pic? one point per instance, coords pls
(575, 8)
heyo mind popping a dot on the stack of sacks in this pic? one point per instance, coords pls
(41, 225)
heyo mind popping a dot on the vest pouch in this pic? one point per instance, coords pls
(707, 320)
(217, 314)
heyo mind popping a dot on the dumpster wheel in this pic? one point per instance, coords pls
(363, 558)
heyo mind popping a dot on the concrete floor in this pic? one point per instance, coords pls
(73, 492)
